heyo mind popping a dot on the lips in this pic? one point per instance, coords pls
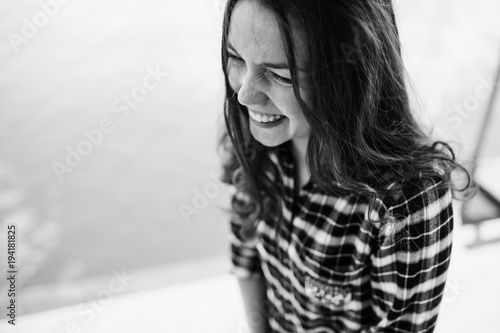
(265, 118)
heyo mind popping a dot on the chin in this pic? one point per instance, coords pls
(268, 140)
(270, 144)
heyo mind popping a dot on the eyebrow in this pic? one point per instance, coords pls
(267, 64)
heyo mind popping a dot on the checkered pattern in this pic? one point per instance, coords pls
(329, 269)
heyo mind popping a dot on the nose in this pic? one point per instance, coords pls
(251, 90)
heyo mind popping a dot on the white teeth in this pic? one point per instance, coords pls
(264, 118)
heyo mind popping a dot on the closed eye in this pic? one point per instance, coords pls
(281, 79)
(234, 57)
(276, 77)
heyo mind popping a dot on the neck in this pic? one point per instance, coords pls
(299, 148)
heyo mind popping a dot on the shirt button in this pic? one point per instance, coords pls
(286, 261)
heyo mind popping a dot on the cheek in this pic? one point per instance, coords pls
(305, 95)
(233, 82)
(290, 104)
(233, 76)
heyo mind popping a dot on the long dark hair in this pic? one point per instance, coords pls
(363, 134)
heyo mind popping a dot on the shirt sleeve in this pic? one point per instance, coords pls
(409, 267)
(244, 254)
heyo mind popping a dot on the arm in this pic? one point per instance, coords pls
(246, 267)
(254, 296)
(409, 268)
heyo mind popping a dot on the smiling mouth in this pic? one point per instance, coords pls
(265, 119)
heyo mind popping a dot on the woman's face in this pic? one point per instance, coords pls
(258, 72)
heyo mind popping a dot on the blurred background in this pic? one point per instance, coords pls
(108, 167)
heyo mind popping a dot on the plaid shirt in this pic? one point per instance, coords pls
(329, 269)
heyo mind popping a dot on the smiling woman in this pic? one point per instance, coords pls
(258, 70)
(342, 215)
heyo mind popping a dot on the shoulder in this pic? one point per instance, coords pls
(417, 195)
(416, 209)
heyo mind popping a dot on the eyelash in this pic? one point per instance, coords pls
(278, 78)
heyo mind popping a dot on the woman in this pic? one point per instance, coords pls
(342, 214)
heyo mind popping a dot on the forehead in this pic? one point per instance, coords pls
(254, 32)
